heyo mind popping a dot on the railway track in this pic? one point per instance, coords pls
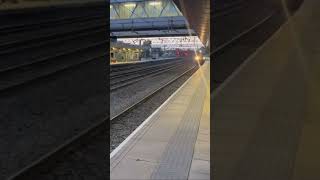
(96, 131)
(151, 94)
(114, 68)
(228, 8)
(74, 144)
(235, 50)
(21, 65)
(127, 77)
(229, 44)
(249, 38)
(15, 28)
(35, 53)
(31, 39)
(235, 39)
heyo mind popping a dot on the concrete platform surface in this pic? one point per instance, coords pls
(266, 117)
(174, 142)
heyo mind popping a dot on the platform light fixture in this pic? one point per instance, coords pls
(155, 3)
(130, 4)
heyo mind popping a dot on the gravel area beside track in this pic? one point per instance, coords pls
(125, 125)
(23, 141)
(80, 164)
(231, 57)
(22, 4)
(124, 97)
(48, 94)
(226, 62)
(230, 25)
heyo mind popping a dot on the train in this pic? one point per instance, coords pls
(184, 53)
(199, 58)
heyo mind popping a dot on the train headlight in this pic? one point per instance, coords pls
(197, 58)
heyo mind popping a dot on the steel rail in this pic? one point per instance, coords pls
(83, 137)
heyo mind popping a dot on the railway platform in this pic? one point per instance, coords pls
(174, 142)
(266, 114)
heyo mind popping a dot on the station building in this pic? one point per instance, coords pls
(123, 52)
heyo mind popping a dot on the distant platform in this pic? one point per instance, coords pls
(174, 142)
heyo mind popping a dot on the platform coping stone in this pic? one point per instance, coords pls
(176, 161)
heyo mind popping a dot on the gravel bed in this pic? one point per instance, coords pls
(125, 125)
(125, 97)
(226, 62)
(228, 26)
(86, 162)
(41, 115)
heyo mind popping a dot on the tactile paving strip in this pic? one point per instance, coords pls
(176, 160)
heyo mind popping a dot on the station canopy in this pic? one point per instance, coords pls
(147, 18)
